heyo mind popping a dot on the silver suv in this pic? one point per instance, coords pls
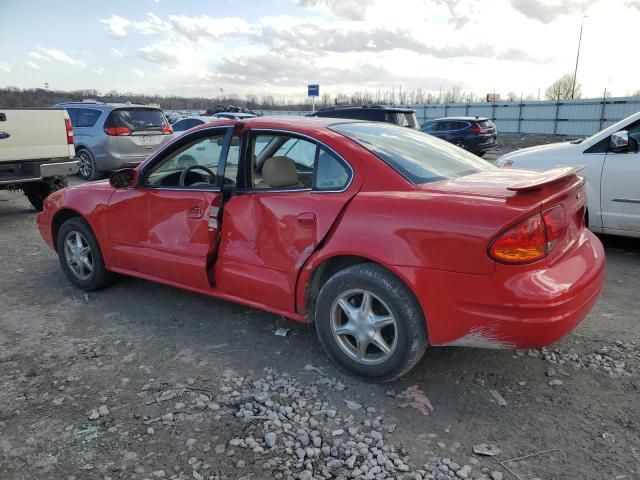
(109, 136)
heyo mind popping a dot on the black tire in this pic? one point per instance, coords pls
(36, 192)
(410, 325)
(87, 165)
(99, 277)
(480, 154)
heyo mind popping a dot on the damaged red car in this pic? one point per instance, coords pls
(388, 239)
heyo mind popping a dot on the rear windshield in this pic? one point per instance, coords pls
(403, 119)
(419, 157)
(486, 124)
(139, 119)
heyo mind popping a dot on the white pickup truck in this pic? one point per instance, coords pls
(36, 152)
(611, 161)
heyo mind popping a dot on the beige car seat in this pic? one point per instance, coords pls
(279, 172)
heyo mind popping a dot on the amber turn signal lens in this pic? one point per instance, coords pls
(526, 242)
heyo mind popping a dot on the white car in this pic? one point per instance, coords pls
(611, 161)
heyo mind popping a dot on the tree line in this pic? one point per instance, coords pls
(13, 97)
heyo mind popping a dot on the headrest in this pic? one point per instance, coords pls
(280, 172)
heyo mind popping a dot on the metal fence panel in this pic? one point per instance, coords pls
(565, 117)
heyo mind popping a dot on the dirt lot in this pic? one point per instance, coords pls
(141, 381)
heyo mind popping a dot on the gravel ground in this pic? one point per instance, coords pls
(141, 381)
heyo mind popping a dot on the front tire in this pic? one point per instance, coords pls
(87, 165)
(36, 192)
(370, 323)
(80, 256)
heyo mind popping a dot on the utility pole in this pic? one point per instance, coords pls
(575, 72)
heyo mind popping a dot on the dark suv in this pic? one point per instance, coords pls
(476, 134)
(404, 117)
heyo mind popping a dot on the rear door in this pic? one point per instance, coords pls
(620, 194)
(272, 226)
(136, 132)
(167, 227)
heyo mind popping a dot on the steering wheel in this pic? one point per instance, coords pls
(183, 175)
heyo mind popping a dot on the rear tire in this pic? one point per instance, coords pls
(382, 337)
(87, 165)
(36, 192)
(80, 256)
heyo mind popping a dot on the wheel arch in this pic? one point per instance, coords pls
(59, 218)
(319, 272)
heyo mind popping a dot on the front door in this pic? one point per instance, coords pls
(620, 194)
(295, 188)
(177, 202)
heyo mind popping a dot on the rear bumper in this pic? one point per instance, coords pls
(516, 306)
(27, 172)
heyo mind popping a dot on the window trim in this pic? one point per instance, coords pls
(303, 136)
(180, 142)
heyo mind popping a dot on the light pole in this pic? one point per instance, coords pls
(222, 94)
(575, 72)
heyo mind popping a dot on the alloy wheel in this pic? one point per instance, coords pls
(364, 327)
(78, 255)
(84, 164)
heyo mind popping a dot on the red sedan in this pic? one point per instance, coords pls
(388, 239)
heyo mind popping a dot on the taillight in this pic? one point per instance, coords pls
(117, 131)
(67, 125)
(477, 129)
(530, 240)
(166, 129)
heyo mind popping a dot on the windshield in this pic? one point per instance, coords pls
(419, 157)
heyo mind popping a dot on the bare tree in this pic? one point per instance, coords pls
(562, 89)
(512, 96)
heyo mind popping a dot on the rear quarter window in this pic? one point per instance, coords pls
(417, 156)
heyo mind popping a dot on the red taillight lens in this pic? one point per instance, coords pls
(117, 131)
(167, 130)
(532, 239)
(67, 124)
(476, 128)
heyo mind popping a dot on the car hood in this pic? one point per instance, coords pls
(552, 149)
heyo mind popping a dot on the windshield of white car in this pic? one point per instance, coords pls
(417, 156)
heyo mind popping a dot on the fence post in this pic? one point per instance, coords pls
(445, 109)
(466, 110)
(555, 121)
(604, 102)
(520, 114)
(493, 111)
(424, 113)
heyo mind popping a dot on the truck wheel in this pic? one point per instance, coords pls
(87, 165)
(80, 256)
(36, 192)
(370, 323)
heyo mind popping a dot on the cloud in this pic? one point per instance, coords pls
(205, 26)
(33, 65)
(461, 12)
(547, 12)
(116, 53)
(138, 73)
(4, 67)
(116, 26)
(51, 54)
(634, 4)
(351, 9)
(159, 53)
(98, 70)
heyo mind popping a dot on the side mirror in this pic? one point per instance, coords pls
(620, 141)
(124, 178)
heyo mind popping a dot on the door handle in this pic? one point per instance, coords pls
(196, 212)
(4, 135)
(307, 220)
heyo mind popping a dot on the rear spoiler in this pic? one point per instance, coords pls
(544, 179)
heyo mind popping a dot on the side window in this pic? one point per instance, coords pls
(73, 115)
(282, 162)
(87, 117)
(331, 173)
(287, 162)
(194, 165)
(428, 127)
(180, 126)
(443, 126)
(634, 133)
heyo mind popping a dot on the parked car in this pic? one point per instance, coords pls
(387, 238)
(232, 115)
(476, 134)
(611, 162)
(403, 117)
(36, 152)
(109, 136)
(184, 124)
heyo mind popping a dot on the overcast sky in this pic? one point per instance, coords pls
(277, 47)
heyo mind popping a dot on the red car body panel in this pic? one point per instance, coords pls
(434, 236)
